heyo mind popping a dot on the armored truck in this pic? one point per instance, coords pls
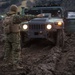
(50, 26)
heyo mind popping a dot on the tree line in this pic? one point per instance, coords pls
(8, 3)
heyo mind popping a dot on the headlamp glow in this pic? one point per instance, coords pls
(25, 26)
(49, 26)
(59, 23)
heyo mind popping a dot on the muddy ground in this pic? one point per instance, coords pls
(40, 57)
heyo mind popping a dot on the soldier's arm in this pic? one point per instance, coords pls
(35, 16)
(19, 18)
(29, 17)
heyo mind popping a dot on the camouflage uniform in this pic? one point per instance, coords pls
(12, 41)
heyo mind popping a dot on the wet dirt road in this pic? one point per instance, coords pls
(42, 58)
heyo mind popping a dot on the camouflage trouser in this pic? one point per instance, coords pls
(12, 48)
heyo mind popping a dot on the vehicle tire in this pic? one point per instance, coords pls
(60, 38)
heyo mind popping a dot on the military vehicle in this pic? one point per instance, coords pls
(69, 21)
(50, 26)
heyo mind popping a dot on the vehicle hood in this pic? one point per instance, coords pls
(38, 21)
(55, 20)
(24, 23)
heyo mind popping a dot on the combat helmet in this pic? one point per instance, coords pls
(13, 8)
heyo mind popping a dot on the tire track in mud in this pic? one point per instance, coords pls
(41, 60)
(66, 66)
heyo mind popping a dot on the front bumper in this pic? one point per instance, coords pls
(38, 34)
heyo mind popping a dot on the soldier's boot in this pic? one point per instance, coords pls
(19, 67)
(6, 62)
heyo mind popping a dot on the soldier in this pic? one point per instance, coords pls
(12, 41)
(12, 45)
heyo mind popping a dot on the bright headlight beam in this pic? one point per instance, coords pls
(25, 26)
(2, 16)
(49, 26)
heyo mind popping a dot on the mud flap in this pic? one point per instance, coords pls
(60, 38)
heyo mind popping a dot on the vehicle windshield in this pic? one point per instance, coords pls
(71, 15)
(50, 15)
(54, 11)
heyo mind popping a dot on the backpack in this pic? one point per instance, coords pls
(7, 22)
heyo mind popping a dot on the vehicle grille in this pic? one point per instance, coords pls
(37, 27)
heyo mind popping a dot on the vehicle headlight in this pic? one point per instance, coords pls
(49, 26)
(59, 23)
(25, 26)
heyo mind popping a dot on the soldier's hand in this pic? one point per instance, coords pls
(40, 15)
